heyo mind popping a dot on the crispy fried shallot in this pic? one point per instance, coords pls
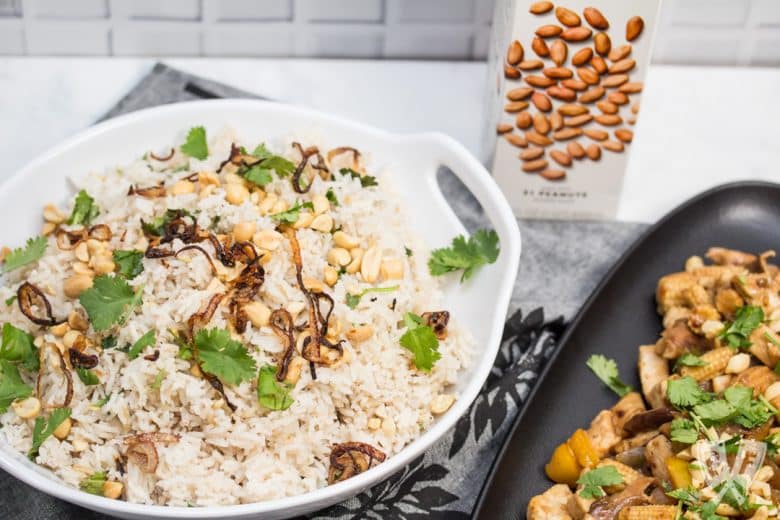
(438, 321)
(154, 356)
(164, 157)
(281, 323)
(51, 362)
(29, 296)
(195, 247)
(150, 192)
(158, 252)
(243, 289)
(68, 240)
(81, 360)
(216, 384)
(351, 458)
(306, 154)
(204, 315)
(142, 452)
(346, 149)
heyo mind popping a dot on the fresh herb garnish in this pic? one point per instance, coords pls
(593, 480)
(689, 360)
(156, 227)
(331, 196)
(685, 392)
(271, 393)
(354, 299)
(772, 444)
(10, 300)
(18, 347)
(746, 320)
(93, 484)
(366, 181)
(480, 249)
(11, 385)
(257, 174)
(737, 406)
(87, 376)
(144, 341)
(32, 251)
(158, 379)
(108, 342)
(689, 496)
(129, 262)
(606, 369)
(43, 429)
(291, 215)
(110, 300)
(421, 341)
(100, 403)
(223, 357)
(84, 210)
(196, 145)
(408, 251)
(283, 167)
(770, 339)
(685, 431)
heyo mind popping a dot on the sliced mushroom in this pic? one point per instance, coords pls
(649, 420)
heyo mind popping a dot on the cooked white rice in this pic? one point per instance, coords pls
(374, 395)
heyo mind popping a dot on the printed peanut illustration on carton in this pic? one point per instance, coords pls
(566, 84)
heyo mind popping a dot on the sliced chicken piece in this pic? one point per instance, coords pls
(551, 505)
(629, 405)
(671, 291)
(656, 452)
(764, 345)
(724, 256)
(679, 339)
(653, 370)
(603, 433)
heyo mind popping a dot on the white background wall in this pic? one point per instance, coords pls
(724, 32)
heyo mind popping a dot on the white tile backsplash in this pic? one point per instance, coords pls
(70, 9)
(157, 39)
(341, 11)
(724, 32)
(248, 10)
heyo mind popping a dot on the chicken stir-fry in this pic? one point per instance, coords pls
(701, 440)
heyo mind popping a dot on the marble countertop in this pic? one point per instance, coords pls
(700, 126)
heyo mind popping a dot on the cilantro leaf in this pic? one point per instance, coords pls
(144, 341)
(606, 369)
(196, 145)
(685, 431)
(594, 479)
(291, 215)
(10, 300)
(408, 251)
(714, 412)
(746, 320)
(156, 227)
(100, 403)
(772, 444)
(108, 342)
(84, 210)
(270, 392)
(129, 262)
(331, 196)
(87, 376)
(480, 249)
(354, 299)
(32, 251)
(366, 181)
(685, 392)
(421, 341)
(688, 496)
(158, 379)
(750, 413)
(223, 357)
(93, 484)
(18, 346)
(734, 493)
(257, 174)
(689, 360)
(43, 429)
(11, 385)
(110, 300)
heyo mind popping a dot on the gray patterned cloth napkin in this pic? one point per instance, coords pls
(561, 263)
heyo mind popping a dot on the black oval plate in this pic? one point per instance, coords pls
(618, 317)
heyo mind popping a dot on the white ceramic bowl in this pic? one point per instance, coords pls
(480, 304)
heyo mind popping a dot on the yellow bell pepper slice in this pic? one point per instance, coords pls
(583, 449)
(563, 466)
(678, 472)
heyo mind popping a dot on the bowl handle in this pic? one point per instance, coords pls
(450, 153)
